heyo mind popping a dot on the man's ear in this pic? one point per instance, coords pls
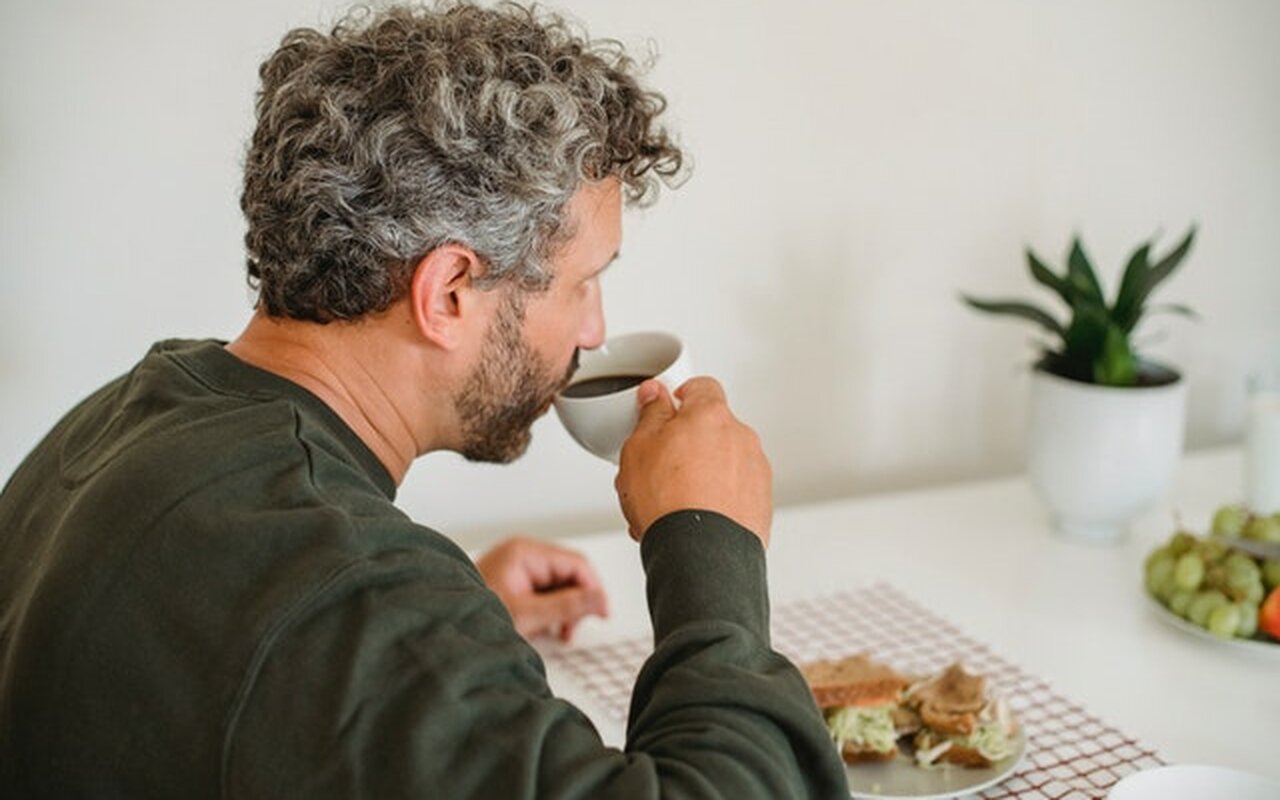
(443, 296)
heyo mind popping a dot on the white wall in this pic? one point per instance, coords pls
(856, 165)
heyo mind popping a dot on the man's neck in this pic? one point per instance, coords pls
(339, 364)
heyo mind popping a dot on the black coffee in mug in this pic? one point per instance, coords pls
(605, 384)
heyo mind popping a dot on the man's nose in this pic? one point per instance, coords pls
(591, 335)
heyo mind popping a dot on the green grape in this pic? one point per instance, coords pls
(1248, 620)
(1180, 600)
(1159, 575)
(1215, 577)
(1203, 604)
(1224, 620)
(1155, 555)
(1211, 550)
(1189, 572)
(1264, 529)
(1245, 587)
(1229, 521)
(1242, 575)
(1180, 543)
(1237, 562)
(1271, 572)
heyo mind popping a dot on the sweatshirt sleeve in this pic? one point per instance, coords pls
(405, 680)
(713, 685)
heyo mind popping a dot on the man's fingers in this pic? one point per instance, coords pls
(699, 456)
(655, 406)
(566, 631)
(554, 610)
(701, 389)
(552, 566)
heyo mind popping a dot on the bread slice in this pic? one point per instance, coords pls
(853, 681)
(852, 754)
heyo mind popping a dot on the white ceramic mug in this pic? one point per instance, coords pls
(601, 423)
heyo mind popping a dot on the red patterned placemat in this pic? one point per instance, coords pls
(1071, 754)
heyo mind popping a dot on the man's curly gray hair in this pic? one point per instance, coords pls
(408, 128)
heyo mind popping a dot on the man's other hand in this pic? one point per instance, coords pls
(696, 456)
(547, 589)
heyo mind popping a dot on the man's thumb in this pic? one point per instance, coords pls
(655, 404)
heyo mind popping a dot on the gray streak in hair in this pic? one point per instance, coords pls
(413, 127)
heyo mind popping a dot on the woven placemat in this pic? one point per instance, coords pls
(1071, 754)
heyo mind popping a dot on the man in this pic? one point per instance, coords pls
(205, 587)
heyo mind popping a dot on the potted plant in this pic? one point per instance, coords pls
(1105, 425)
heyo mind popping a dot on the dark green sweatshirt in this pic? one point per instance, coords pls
(206, 591)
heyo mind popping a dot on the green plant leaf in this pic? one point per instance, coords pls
(1163, 268)
(1127, 309)
(1016, 308)
(1048, 277)
(1096, 346)
(1081, 277)
(1116, 364)
(1083, 341)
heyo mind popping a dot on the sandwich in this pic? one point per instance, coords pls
(960, 722)
(859, 699)
(949, 718)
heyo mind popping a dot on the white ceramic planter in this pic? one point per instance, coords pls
(1098, 455)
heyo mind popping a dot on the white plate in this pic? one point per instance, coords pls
(1194, 782)
(1260, 646)
(901, 779)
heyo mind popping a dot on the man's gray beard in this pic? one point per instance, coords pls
(506, 392)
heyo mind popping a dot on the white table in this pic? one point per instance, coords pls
(982, 556)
